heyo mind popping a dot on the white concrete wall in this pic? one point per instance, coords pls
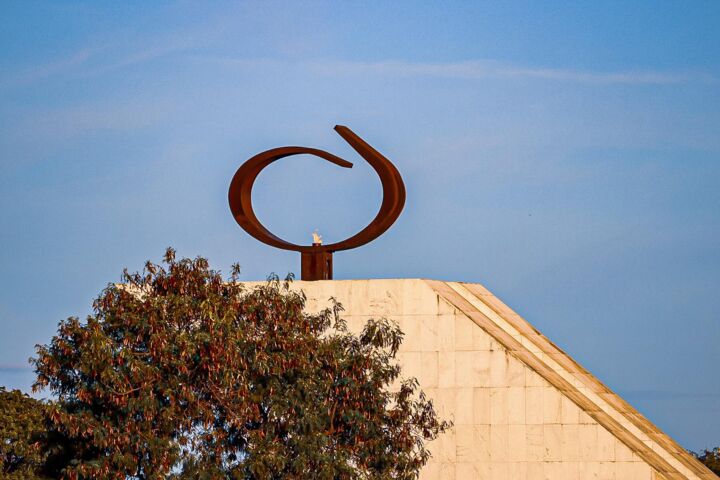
(509, 421)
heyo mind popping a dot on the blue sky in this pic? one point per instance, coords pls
(565, 155)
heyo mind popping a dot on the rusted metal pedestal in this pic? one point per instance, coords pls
(316, 264)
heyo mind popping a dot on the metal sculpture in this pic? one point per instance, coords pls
(316, 259)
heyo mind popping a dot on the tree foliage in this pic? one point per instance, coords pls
(180, 373)
(21, 427)
(711, 459)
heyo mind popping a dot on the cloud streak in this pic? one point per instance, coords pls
(482, 69)
(49, 69)
(109, 55)
(466, 70)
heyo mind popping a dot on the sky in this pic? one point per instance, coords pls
(565, 155)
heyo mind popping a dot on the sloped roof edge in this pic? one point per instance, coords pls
(607, 408)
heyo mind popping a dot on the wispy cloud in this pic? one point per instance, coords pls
(480, 69)
(109, 55)
(90, 62)
(45, 70)
(170, 47)
(467, 70)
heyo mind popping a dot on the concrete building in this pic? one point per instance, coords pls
(522, 408)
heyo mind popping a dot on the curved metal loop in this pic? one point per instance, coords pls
(240, 194)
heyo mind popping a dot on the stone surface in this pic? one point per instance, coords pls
(522, 408)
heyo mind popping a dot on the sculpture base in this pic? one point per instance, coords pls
(316, 265)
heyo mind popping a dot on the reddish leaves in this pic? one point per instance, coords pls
(179, 368)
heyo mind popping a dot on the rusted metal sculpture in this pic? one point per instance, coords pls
(316, 259)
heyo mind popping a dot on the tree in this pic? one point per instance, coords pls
(711, 459)
(21, 427)
(181, 373)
